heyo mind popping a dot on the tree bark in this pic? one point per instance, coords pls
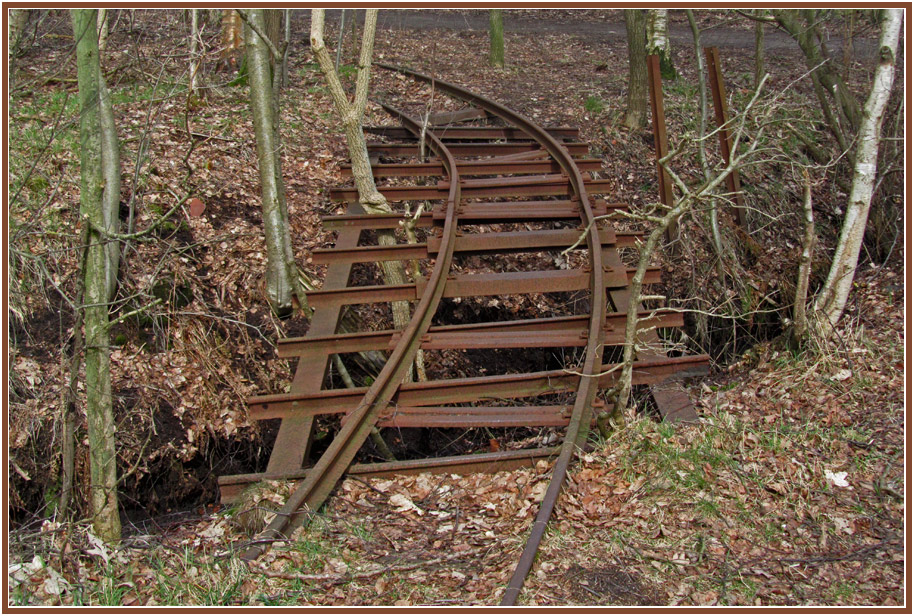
(658, 41)
(111, 195)
(231, 36)
(496, 38)
(759, 52)
(99, 403)
(282, 279)
(702, 131)
(102, 30)
(194, 59)
(832, 298)
(800, 323)
(636, 102)
(287, 43)
(18, 18)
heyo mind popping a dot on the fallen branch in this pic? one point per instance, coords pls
(335, 579)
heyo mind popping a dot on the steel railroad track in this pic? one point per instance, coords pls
(515, 173)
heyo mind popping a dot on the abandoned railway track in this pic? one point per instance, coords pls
(501, 176)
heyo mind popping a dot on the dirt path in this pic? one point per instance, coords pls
(593, 29)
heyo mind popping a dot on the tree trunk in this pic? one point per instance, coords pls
(102, 29)
(800, 323)
(702, 131)
(759, 51)
(496, 38)
(18, 18)
(111, 195)
(832, 298)
(99, 404)
(351, 114)
(282, 280)
(658, 41)
(287, 43)
(231, 37)
(636, 103)
(194, 58)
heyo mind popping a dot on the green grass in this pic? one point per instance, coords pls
(593, 104)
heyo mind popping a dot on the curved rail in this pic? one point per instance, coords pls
(322, 478)
(579, 425)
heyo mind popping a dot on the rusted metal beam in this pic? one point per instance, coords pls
(474, 167)
(232, 486)
(475, 149)
(293, 440)
(461, 115)
(472, 244)
(485, 133)
(719, 95)
(661, 142)
(474, 285)
(476, 417)
(479, 213)
(498, 187)
(526, 333)
(461, 391)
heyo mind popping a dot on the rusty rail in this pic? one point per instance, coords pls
(535, 162)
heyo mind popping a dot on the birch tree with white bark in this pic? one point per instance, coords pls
(832, 298)
(658, 41)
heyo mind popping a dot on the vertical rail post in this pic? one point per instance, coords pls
(715, 76)
(661, 145)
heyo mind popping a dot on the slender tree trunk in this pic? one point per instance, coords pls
(759, 52)
(636, 102)
(658, 41)
(18, 18)
(111, 195)
(282, 279)
(102, 29)
(496, 38)
(99, 403)
(351, 114)
(339, 41)
(231, 37)
(832, 298)
(287, 43)
(800, 323)
(702, 131)
(194, 58)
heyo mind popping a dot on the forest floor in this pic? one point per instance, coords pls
(790, 490)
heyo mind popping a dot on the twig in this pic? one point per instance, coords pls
(333, 579)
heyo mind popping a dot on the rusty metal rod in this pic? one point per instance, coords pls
(476, 213)
(472, 389)
(550, 185)
(526, 333)
(474, 167)
(471, 244)
(719, 95)
(661, 142)
(486, 133)
(476, 285)
(474, 149)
